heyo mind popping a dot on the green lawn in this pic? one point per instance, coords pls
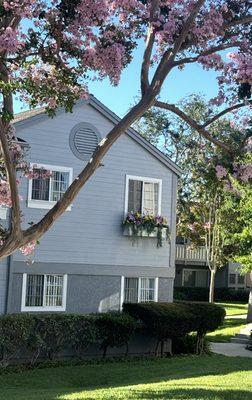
(179, 378)
(230, 327)
(233, 308)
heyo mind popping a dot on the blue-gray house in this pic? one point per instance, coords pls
(85, 263)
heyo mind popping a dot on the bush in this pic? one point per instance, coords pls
(14, 331)
(83, 333)
(207, 317)
(50, 333)
(114, 330)
(162, 320)
(202, 294)
(188, 345)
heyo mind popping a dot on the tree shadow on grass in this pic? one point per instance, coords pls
(56, 383)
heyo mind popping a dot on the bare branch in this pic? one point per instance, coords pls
(224, 112)
(193, 124)
(239, 21)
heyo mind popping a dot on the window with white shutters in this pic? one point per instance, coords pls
(143, 195)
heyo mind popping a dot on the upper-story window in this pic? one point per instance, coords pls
(143, 195)
(44, 192)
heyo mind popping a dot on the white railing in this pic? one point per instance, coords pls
(187, 253)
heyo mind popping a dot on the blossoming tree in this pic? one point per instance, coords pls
(50, 49)
(214, 204)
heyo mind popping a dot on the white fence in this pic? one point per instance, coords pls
(187, 253)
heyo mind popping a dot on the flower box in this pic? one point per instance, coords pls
(128, 231)
(143, 225)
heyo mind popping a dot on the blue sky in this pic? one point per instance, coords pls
(179, 84)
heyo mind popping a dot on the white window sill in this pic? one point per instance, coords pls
(47, 205)
(45, 309)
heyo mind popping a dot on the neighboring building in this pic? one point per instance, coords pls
(192, 270)
(84, 263)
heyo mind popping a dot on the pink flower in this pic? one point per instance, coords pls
(221, 172)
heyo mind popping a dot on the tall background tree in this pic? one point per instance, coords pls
(215, 188)
(50, 49)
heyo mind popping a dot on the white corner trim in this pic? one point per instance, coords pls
(24, 308)
(122, 292)
(47, 204)
(156, 290)
(142, 179)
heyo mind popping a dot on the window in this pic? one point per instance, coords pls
(44, 292)
(240, 279)
(44, 192)
(232, 279)
(143, 195)
(140, 290)
(195, 278)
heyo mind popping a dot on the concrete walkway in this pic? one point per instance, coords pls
(231, 350)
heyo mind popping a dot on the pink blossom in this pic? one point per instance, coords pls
(221, 172)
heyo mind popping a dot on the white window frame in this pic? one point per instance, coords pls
(142, 179)
(192, 270)
(47, 204)
(139, 288)
(44, 308)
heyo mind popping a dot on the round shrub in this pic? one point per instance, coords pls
(162, 320)
(83, 333)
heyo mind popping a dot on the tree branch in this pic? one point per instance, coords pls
(148, 49)
(239, 21)
(8, 162)
(210, 51)
(167, 61)
(224, 112)
(193, 124)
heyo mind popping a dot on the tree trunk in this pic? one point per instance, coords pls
(249, 316)
(212, 284)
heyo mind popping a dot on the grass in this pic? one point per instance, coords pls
(230, 327)
(180, 378)
(233, 308)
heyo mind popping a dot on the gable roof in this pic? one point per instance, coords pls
(33, 116)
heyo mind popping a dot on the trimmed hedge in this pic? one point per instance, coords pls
(202, 294)
(114, 330)
(175, 320)
(48, 334)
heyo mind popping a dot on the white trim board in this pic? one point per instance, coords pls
(47, 204)
(142, 179)
(25, 308)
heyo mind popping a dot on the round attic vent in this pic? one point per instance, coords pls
(84, 139)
